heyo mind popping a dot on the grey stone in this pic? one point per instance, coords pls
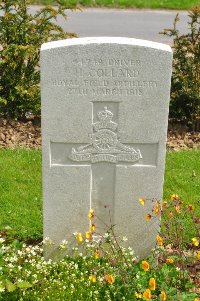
(104, 126)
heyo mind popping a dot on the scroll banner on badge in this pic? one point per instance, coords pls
(106, 157)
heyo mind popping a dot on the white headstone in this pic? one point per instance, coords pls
(104, 125)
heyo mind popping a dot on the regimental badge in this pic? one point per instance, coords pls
(105, 145)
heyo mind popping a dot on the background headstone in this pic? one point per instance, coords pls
(104, 125)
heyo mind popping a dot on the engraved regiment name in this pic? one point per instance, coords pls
(105, 145)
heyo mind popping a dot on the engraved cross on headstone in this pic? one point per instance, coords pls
(103, 154)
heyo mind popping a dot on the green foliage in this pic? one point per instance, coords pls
(21, 35)
(175, 217)
(115, 274)
(185, 90)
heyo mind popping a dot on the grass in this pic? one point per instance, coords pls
(155, 4)
(182, 175)
(21, 192)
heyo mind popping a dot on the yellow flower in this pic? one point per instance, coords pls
(138, 295)
(169, 260)
(164, 204)
(196, 299)
(91, 214)
(195, 241)
(163, 296)
(93, 278)
(190, 207)
(109, 278)
(148, 217)
(145, 265)
(152, 284)
(79, 237)
(178, 209)
(97, 254)
(92, 228)
(171, 214)
(159, 240)
(174, 197)
(141, 201)
(156, 209)
(198, 254)
(147, 294)
(88, 235)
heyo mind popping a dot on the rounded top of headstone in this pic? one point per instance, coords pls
(105, 40)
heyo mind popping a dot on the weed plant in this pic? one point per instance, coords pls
(102, 268)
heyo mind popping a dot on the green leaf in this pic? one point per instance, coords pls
(24, 284)
(11, 287)
(3, 100)
(2, 286)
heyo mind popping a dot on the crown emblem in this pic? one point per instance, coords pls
(105, 114)
(105, 121)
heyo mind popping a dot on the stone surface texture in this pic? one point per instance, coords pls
(104, 128)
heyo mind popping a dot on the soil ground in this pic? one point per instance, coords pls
(27, 134)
